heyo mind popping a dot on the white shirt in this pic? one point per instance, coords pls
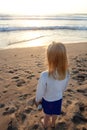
(49, 88)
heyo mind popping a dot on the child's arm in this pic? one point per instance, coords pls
(37, 103)
(67, 80)
(40, 89)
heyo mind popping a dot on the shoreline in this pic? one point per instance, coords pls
(20, 69)
(72, 43)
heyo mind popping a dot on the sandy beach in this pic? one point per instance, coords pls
(19, 73)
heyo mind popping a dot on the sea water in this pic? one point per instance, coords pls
(26, 31)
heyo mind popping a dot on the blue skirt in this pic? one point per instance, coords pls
(52, 108)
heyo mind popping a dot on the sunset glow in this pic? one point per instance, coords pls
(42, 7)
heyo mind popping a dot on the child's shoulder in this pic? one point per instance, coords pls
(44, 74)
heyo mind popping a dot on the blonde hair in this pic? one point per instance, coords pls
(57, 60)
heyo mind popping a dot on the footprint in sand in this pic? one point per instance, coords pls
(78, 118)
(84, 92)
(2, 105)
(20, 82)
(61, 126)
(9, 111)
(11, 126)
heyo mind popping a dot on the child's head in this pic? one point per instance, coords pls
(57, 60)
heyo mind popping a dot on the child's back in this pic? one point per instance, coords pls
(53, 88)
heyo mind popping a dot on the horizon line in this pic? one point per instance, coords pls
(9, 15)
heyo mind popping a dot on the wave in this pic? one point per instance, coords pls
(16, 42)
(58, 17)
(7, 29)
(76, 18)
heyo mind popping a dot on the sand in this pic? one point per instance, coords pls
(19, 73)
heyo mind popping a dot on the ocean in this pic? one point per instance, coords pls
(27, 31)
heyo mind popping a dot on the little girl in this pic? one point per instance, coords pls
(53, 82)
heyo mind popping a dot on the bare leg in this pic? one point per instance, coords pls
(54, 117)
(46, 120)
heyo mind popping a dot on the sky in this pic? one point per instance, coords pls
(42, 7)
